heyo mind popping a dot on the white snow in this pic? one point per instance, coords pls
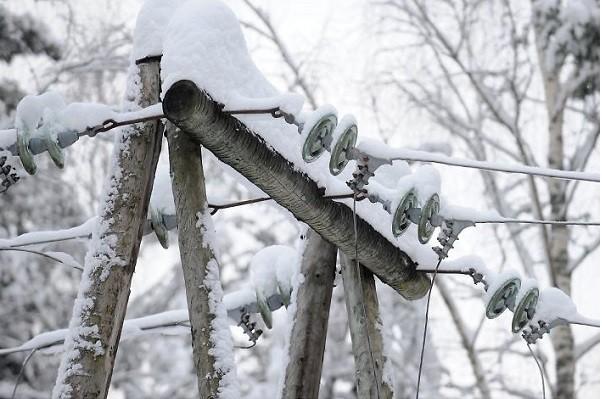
(64, 258)
(32, 109)
(151, 23)
(8, 137)
(526, 285)
(169, 322)
(296, 280)
(162, 194)
(272, 265)
(462, 264)
(309, 119)
(554, 305)
(220, 336)
(203, 43)
(377, 149)
(496, 280)
(83, 230)
(100, 258)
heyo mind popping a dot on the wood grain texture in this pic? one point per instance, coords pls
(110, 267)
(188, 184)
(364, 325)
(234, 144)
(308, 334)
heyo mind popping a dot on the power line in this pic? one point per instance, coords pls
(423, 156)
(426, 322)
(360, 283)
(540, 368)
(529, 221)
(21, 372)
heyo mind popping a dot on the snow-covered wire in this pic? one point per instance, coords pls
(535, 221)
(44, 254)
(380, 150)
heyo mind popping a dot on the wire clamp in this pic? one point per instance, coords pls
(536, 332)
(8, 174)
(449, 234)
(248, 326)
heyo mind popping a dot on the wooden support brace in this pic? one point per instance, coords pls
(365, 326)
(308, 334)
(234, 144)
(90, 348)
(196, 253)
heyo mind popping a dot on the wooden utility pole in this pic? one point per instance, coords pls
(99, 310)
(197, 255)
(365, 326)
(308, 334)
(233, 143)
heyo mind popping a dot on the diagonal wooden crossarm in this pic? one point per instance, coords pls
(233, 143)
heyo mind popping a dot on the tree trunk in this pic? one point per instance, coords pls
(365, 326)
(198, 259)
(308, 335)
(99, 310)
(562, 336)
(200, 117)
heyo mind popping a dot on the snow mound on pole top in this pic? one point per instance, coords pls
(151, 23)
(204, 43)
(272, 266)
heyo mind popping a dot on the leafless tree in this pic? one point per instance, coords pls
(499, 80)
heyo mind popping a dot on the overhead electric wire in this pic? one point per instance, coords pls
(365, 313)
(423, 156)
(540, 368)
(426, 322)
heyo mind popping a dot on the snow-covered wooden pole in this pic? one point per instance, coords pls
(308, 334)
(365, 325)
(208, 323)
(233, 143)
(99, 309)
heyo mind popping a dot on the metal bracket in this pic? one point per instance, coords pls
(536, 332)
(8, 174)
(248, 326)
(449, 234)
(478, 278)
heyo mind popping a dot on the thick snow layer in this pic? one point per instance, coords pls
(32, 109)
(162, 195)
(42, 237)
(555, 305)
(150, 27)
(49, 109)
(8, 138)
(381, 150)
(271, 266)
(203, 43)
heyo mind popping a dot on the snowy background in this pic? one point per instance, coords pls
(379, 61)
